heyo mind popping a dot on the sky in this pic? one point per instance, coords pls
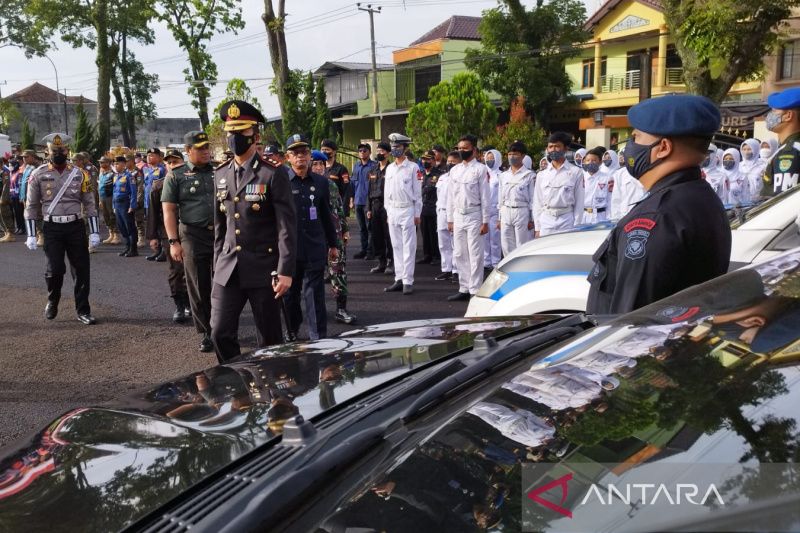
(316, 31)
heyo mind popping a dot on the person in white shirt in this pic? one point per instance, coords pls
(515, 200)
(527, 162)
(712, 172)
(752, 166)
(445, 237)
(520, 425)
(558, 196)
(610, 165)
(739, 186)
(596, 187)
(577, 158)
(468, 217)
(491, 241)
(403, 202)
(627, 191)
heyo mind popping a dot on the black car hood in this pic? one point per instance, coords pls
(100, 468)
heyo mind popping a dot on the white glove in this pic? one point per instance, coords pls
(94, 240)
(31, 243)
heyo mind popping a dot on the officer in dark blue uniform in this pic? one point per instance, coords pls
(254, 235)
(316, 240)
(678, 235)
(783, 169)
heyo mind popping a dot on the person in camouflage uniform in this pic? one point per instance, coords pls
(336, 268)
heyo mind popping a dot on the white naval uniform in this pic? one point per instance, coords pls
(445, 237)
(627, 192)
(595, 197)
(558, 198)
(515, 201)
(467, 210)
(491, 241)
(403, 202)
(520, 426)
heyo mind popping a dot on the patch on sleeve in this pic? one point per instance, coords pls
(677, 314)
(636, 247)
(640, 223)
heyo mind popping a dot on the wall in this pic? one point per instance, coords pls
(386, 93)
(48, 118)
(160, 132)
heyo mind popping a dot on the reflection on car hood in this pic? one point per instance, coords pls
(709, 376)
(100, 468)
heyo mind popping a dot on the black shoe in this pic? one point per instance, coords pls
(206, 345)
(459, 297)
(51, 310)
(344, 317)
(87, 319)
(369, 257)
(179, 316)
(397, 286)
(444, 276)
(360, 255)
(187, 311)
(424, 261)
(454, 278)
(133, 252)
(153, 256)
(124, 253)
(378, 269)
(408, 289)
(161, 257)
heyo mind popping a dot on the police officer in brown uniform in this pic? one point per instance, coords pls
(61, 194)
(255, 233)
(188, 195)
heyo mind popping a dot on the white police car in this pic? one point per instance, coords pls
(549, 274)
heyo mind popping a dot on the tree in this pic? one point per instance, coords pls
(523, 52)
(275, 24)
(307, 115)
(323, 122)
(520, 127)
(9, 113)
(236, 89)
(725, 41)
(133, 91)
(82, 23)
(27, 139)
(453, 109)
(84, 138)
(193, 23)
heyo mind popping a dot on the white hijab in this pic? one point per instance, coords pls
(527, 162)
(614, 161)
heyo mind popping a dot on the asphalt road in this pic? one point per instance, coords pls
(48, 367)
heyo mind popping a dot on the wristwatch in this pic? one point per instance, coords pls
(173, 241)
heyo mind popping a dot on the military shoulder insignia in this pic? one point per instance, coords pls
(785, 163)
(224, 164)
(271, 161)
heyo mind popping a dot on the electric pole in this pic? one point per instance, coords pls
(2, 83)
(369, 9)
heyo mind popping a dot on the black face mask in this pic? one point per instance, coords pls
(465, 154)
(637, 158)
(380, 157)
(240, 144)
(450, 166)
(427, 164)
(59, 158)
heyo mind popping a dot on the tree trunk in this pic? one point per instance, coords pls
(130, 115)
(104, 69)
(200, 89)
(276, 39)
(119, 110)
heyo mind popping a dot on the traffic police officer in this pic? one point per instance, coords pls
(558, 196)
(61, 194)
(783, 119)
(468, 217)
(254, 235)
(516, 200)
(403, 201)
(679, 234)
(316, 240)
(188, 197)
(124, 198)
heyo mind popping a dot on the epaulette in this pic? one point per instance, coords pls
(271, 161)
(223, 164)
(45, 166)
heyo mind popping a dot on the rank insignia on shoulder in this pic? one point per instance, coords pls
(224, 164)
(271, 161)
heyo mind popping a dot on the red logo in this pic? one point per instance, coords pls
(636, 223)
(562, 482)
(687, 315)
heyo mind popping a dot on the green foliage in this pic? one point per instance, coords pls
(307, 115)
(193, 23)
(293, 121)
(323, 122)
(454, 108)
(27, 138)
(725, 41)
(523, 52)
(9, 114)
(84, 138)
(519, 127)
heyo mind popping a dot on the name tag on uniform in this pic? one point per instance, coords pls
(312, 213)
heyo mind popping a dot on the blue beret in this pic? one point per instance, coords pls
(788, 99)
(676, 114)
(318, 155)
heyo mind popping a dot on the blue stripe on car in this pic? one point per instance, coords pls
(518, 279)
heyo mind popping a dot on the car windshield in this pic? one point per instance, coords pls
(709, 376)
(739, 218)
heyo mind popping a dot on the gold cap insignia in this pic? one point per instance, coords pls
(57, 141)
(233, 111)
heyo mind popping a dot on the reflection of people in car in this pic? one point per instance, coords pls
(281, 409)
(765, 326)
(520, 425)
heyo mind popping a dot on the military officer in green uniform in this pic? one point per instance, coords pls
(783, 119)
(255, 233)
(187, 201)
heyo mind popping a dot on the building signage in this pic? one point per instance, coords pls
(628, 23)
